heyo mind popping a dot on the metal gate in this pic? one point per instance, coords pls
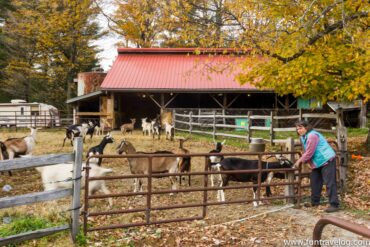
(292, 193)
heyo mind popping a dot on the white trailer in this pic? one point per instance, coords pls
(19, 113)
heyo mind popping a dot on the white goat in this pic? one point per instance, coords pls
(147, 127)
(21, 146)
(170, 131)
(57, 176)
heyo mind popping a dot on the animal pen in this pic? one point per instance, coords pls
(150, 204)
(46, 160)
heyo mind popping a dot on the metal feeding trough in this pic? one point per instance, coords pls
(257, 145)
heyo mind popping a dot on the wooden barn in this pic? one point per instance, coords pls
(144, 82)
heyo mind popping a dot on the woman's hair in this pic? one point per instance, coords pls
(304, 123)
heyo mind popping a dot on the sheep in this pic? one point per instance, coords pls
(214, 160)
(56, 177)
(21, 146)
(184, 163)
(96, 150)
(141, 165)
(128, 127)
(170, 131)
(233, 163)
(147, 127)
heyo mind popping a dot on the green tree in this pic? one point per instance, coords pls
(53, 42)
(5, 7)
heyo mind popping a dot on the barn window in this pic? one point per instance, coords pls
(22, 111)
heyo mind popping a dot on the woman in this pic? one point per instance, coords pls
(321, 157)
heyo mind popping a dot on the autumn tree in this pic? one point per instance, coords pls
(53, 42)
(139, 22)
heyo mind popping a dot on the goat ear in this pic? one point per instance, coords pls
(223, 142)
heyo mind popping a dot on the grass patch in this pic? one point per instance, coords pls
(22, 224)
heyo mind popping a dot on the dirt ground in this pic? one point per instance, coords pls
(225, 225)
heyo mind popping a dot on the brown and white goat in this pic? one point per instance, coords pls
(128, 127)
(141, 165)
(21, 146)
(184, 163)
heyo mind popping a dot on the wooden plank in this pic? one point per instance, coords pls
(7, 202)
(91, 114)
(76, 205)
(319, 115)
(259, 128)
(32, 235)
(178, 121)
(285, 129)
(287, 117)
(30, 162)
(260, 117)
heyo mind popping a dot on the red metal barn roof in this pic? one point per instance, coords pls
(175, 69)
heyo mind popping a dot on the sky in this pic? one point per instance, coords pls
(108, 43)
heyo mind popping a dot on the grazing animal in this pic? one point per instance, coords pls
(232, 163)
(4, 154)
(170, 131)
(53, 175)
(128, 127)
(184, 163)
(147, 127)
(15, 147)
(98, 128)
(75, 130)
(141, 165)
(156, 127)
(96, 150)
(21, 146)
(90, 129)
(214, 160)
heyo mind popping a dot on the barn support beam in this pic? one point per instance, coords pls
(216, 100)
(233, 100)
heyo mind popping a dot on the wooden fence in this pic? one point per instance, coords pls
(218, 122)
(46, 160)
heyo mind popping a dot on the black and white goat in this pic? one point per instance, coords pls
(232, 163)
(214, 160)
(156, 127)
(99, 149)
(91, 129)
(75, 130)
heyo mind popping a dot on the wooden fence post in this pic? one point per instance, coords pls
(76, 177)
(343, 159)
(272, 133)
(300, 114)
(214, 125)
(174, 121)
(342, 146)
(191, 122)
(249, 136)
(289, 189)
